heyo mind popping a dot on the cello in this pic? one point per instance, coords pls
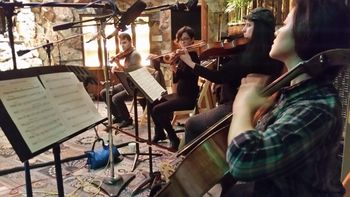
(204, 161)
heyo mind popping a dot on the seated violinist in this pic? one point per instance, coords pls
(132, 61)
(185, 96)
(252, 57)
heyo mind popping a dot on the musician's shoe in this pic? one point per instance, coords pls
(125, 123)
(174, 144)
(158, 138)
(116, 120)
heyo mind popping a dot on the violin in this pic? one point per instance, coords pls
(222, 49)
(122, 54)
(173, 56)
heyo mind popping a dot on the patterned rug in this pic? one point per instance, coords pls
(77, 178)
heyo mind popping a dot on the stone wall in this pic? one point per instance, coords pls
(33, 29)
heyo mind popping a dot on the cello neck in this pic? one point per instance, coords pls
(315, 66)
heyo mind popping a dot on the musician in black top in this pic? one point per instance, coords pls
(253, 57)
(185, 96)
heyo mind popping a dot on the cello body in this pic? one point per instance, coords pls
(204, 166)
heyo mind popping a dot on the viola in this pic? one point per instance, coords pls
(222, 49)
(205, 157)
(173, 56)
(122, 54)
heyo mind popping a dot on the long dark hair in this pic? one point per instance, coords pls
(320, 25)
(259, 46)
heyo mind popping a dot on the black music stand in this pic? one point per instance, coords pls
(142, 82)
(132, 89)
(152, 177)
(22, 145)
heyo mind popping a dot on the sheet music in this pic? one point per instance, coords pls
(31, 110)
(147, 83)
(74, 104)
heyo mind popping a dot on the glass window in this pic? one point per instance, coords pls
(93, 44)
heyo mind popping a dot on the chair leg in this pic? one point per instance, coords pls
(173, 121)
(131, 106)
(144, 116)
(346, 184)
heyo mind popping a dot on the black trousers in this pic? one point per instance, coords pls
(199, 123)
(162, 112)
(118, 106)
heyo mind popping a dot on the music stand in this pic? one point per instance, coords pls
(26, 147)
(131, 88)
(141, 81)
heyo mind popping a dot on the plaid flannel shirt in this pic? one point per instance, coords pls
(293, 149)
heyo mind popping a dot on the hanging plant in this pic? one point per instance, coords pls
(234, 4)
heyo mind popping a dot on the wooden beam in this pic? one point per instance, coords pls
(204, 20)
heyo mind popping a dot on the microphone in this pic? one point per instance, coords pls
(22, 52)
(115, 32)
(93, 38)
(131, 14)
(64, 26)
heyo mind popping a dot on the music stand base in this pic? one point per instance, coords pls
(136, 158)
(149, 181)
(114, 187)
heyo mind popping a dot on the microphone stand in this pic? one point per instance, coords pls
(9, 8)
(113, 184)
(48, 46)
(59, 53)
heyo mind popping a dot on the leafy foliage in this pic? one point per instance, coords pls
(234, 4)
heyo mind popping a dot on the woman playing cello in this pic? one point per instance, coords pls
(292, 151)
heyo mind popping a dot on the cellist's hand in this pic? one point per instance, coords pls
(248, 98)
(247, 101)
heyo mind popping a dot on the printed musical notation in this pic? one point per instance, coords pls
(31, 110)
(47, 114)
(147, 83)
(73, 103)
